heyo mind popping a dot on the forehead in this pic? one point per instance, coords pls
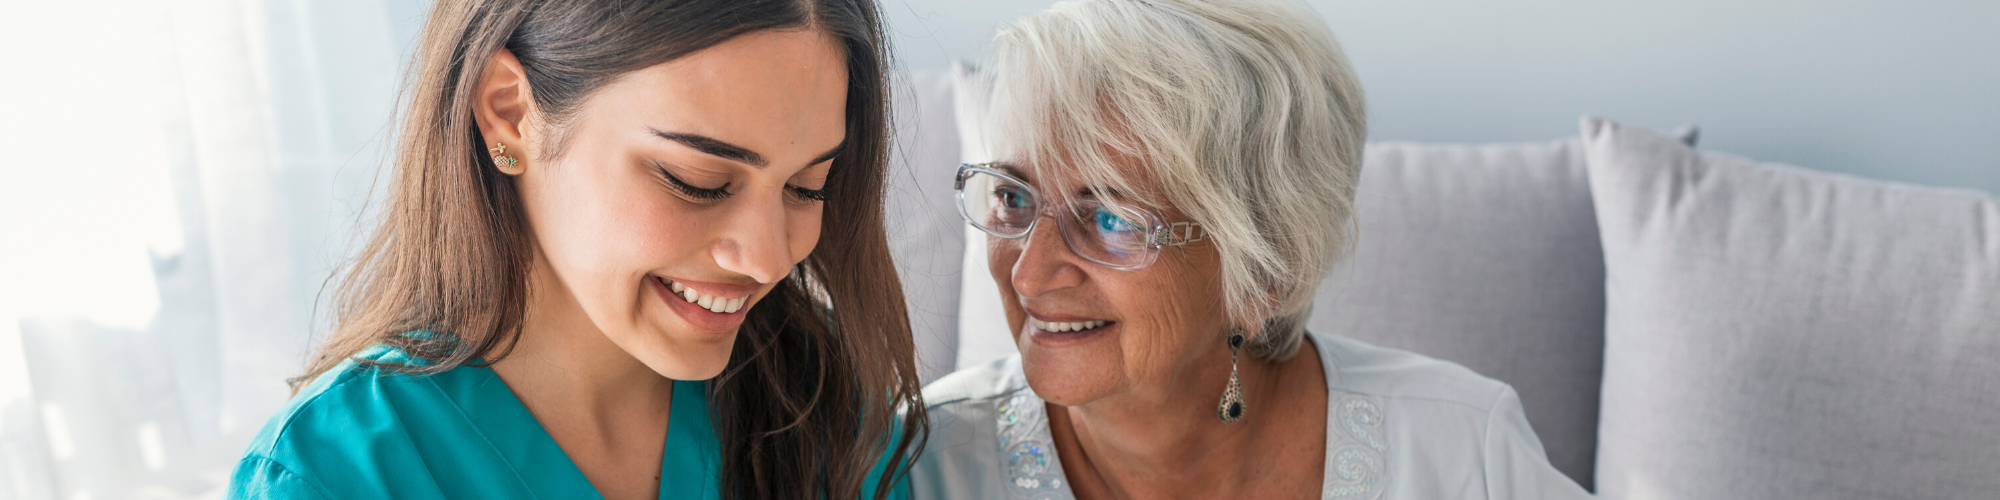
(780, 93)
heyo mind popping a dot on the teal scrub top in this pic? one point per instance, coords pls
(361, 431)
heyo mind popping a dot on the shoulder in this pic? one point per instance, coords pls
(1436, 429)
(260, 477)
(350, 411)
(962, 405)
(348, 395)
(961, 458)
(1356, 367)
(994, 379)
(330, 390)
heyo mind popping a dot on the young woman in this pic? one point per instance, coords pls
(632, 250)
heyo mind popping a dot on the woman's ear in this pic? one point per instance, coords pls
(1257, 326)
(502, 103)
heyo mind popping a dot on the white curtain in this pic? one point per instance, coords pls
(178, 180)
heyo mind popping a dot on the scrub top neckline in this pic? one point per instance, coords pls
(688, 462)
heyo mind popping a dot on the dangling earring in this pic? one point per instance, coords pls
(505, 162)
(1230, 409)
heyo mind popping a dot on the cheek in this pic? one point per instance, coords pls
(1001, 254)
(802, 230)
(646, 232)
(603, 232)
(1167, 320)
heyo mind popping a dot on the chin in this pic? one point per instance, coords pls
(1068, 378)
(689, 365)
(686, 357)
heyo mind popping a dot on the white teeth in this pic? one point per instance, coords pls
(1066, 326)
(712, 303)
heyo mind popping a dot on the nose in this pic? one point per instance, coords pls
(755, 241)
(1044, 263)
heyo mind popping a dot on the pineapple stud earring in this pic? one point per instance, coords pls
(505, 162)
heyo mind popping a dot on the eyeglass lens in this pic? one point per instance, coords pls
(1115, 237)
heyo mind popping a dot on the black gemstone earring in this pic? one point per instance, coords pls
(1230, 409)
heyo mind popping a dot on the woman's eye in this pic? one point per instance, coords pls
(1011, 198)
(807, 195)
(1112, 222)
(692, 191)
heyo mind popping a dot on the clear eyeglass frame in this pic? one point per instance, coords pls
(1126, 250)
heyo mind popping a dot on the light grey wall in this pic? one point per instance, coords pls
(1898, 90)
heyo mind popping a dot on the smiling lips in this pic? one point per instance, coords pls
(1066, 326)
(719, 305)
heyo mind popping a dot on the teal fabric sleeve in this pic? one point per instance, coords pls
(259, 477)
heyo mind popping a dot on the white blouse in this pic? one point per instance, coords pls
(1399, 426)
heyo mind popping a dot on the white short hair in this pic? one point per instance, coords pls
(1245, 113)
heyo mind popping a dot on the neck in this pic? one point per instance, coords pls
(1170, 443)
(604, 408)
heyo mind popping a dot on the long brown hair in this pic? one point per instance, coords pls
(823, 366)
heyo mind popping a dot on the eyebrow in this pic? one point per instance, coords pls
(1101, 193)
(1083, 191)
(1011, 170)
(728, 151)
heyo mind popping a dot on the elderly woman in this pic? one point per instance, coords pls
(1176, 178)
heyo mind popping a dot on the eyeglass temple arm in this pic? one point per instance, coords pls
(1180, 233)
(958, 181)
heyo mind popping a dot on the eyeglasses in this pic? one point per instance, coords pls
(1121, 237)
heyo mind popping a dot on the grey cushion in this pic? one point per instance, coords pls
(1486, 256)
(926, 236)
(1777, 333)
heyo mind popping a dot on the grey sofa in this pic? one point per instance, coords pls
(1679, 324)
